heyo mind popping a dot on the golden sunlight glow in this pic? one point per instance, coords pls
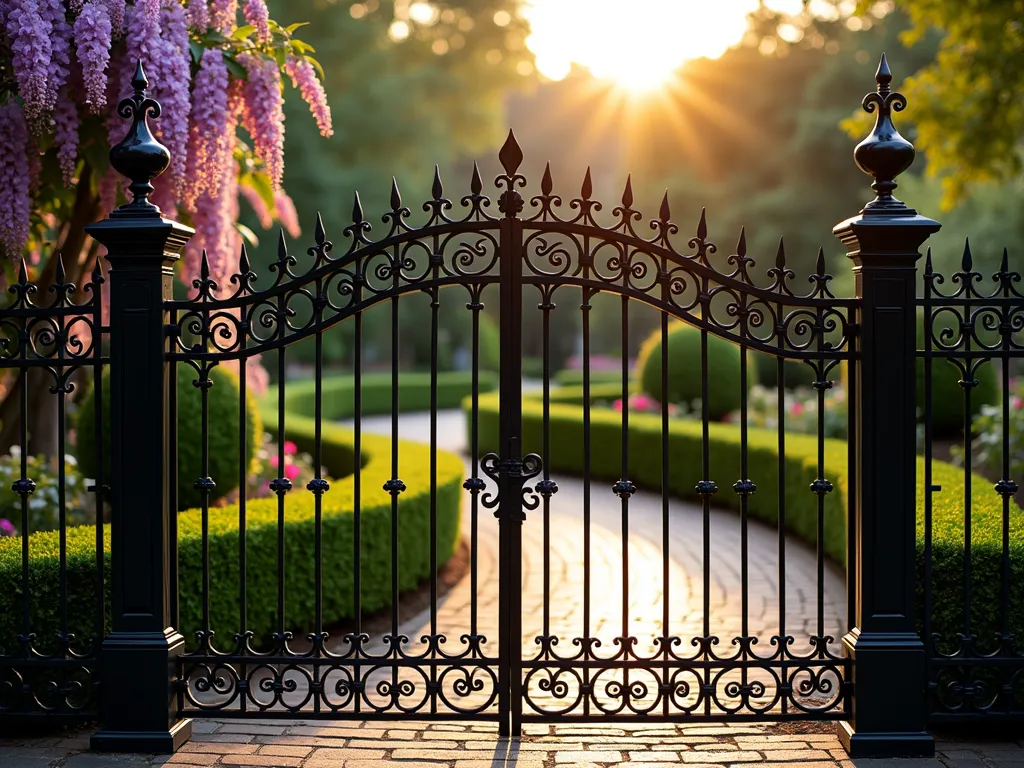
(637, 44)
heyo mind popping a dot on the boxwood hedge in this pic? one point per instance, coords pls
(261, 546)
(338, 399)
(800, 460)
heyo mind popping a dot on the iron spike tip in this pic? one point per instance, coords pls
(1004, 264)
(396, 196)
(319, 233)
(928, 261)
(357, 209)
(282, 244)
(883, 74)
(780, 256)
(436, 189)
(476, 184)
(664, 213)
(702, 225)
(22, 271)
(60, 269)
(741, 245)
(139, 80)
(511, 154)
(204, 267)
(967, 263)
(588, 186)
(243, 260)
(627, 193)
(820, 264)
(546, 184)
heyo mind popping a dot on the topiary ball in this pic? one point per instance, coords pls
(222, 440)
(684, 374)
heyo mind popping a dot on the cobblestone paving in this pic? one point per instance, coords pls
(298, 744)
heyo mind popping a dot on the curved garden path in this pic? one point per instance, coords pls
(645, 594)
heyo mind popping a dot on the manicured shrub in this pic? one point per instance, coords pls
(490, 343)
(261, 549)
(948, 396)
(573, 377)
(684, 375)
(795, 374)
(222, 441)
(800, 460)
(338, 394)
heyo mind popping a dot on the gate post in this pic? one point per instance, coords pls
(884, 241)
(139, 668)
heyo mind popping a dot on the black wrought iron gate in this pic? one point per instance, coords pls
(292, 604)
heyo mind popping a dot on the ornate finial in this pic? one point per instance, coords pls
(780, 255)
(741, 244)
(664, 213)
(357, 209)
(510, 155)
(319, 234)
(884, 154)
(967, 260)
(928, 262)
(588, 186)
(139, 156)
(819, 265)
(702, 225)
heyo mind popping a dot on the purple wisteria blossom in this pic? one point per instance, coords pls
(15, 192)
(31, 50)
(198, 15)
(263, 113)
(115, 9)
(223, 14)
(304, 78)
(92, 35)
(65, 133)
(171, 78)
(257, 15)
(211, 128)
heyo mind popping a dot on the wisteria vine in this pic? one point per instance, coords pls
(68, 64)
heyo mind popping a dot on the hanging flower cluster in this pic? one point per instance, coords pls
(71, 62)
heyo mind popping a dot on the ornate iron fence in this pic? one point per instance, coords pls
(971, 337)
(262, 608)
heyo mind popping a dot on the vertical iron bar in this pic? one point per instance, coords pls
(357, 486)
(318, 500)
(781, 416)
(474, 456)
(705, 470)
(587, 644)
(62, 517)
(434, 307)
(744, 503)
(546, 438)
(97, 448)
(394, 474)
(242, 642)
(665, 536)
(624, 474)
(929, 488)
(282, 645)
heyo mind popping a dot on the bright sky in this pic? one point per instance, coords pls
(636, 43)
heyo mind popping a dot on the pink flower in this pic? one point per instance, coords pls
(617, 405)
(258, 206)
(257, 15)
(31, 51)
(291, 471)
(7, 527)
(256, 376)
(65, 134)
(92, 34)
(198, 16)
(642, 403)
(263, 113)
(304, 78)
(211, 129)
(797, 409)
(15, 182)
(1017, 402)
(171, 80)
(286, 213)
(290, 448)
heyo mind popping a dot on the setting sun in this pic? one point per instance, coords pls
(637, 44)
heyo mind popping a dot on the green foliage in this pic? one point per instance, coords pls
(990, 429)
(261, 536)
(570, 377)
(338, 394)
(800, 462)
(948, 401)
(794, 372)
(684, 371)
(223, 419)
(44, 503)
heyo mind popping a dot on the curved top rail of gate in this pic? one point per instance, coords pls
(574, 248)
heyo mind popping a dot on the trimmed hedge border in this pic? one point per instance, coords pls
(338, 399)
(685, 445)
(261, 545)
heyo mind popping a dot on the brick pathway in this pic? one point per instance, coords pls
(297, 744)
